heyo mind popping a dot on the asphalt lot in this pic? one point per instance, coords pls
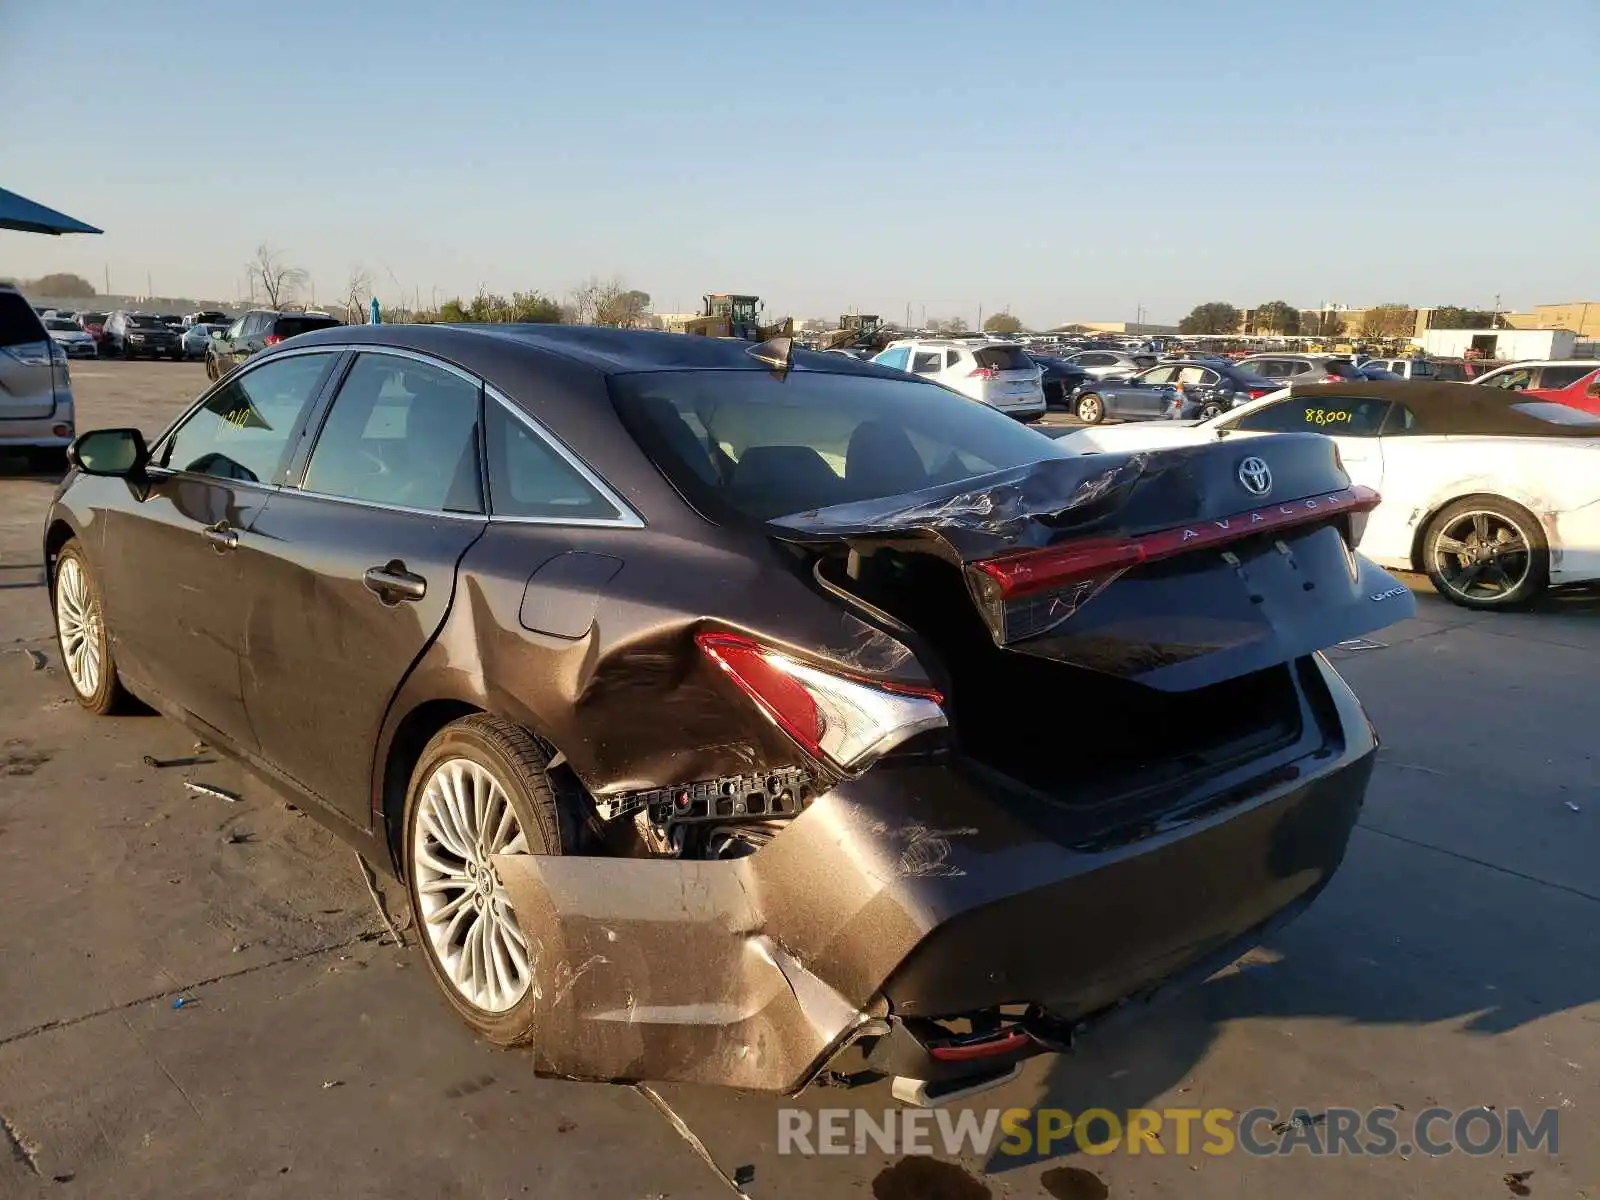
(1455, 961)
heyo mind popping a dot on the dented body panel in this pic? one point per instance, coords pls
(922, 891)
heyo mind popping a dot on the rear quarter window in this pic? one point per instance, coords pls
(1556, 414)
(19, 324)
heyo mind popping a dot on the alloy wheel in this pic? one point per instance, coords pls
(79, 623)
(1482, 555)
(464, 819)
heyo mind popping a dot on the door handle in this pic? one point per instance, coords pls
(392, 583)
(220, 536)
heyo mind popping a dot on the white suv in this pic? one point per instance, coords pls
(998, 374)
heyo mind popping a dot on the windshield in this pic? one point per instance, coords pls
(748, 445)
(287, 327)
(92, 318)
(140, 321)
(64, 326)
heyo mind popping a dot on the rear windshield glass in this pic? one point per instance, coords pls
(1146, 360)
(1003, 358)
(287, 327)
(746, 444)
(1343, 369)
(138, 321)
(58, 324)
(19, 324)
(92, 318)
(1557, 414)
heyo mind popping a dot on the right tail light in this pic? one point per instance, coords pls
(847, 722)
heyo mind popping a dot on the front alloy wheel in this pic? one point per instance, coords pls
(1090, 409)
(81, 635)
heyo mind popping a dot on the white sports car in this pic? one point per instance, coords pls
(1494, 494)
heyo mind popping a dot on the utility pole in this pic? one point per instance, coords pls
(108, 279)
(149, 291)
(980, 319)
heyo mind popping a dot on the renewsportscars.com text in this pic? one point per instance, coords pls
(1178, 1131)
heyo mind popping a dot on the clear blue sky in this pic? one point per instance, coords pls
(1072, 160)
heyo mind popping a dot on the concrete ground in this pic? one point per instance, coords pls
(1455, 961)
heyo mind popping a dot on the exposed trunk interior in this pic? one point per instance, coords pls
(1108, 747)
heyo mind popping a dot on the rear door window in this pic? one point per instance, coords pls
(242, 430)
(951, 358)
(19, 324)
(402, 433)
(927, 362)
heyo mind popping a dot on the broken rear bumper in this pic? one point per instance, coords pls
(915, 892)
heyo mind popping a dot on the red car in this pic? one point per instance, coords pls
(1584, 393)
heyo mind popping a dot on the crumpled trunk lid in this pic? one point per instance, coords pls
(1177, 568)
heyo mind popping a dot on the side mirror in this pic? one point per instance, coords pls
(114, 452)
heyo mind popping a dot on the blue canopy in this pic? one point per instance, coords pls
(18, 212)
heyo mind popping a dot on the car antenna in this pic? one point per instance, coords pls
(777, 353)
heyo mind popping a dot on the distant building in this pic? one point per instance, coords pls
(1580, 316)
(1137, 328)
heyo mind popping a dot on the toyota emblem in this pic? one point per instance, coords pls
(1256, 476)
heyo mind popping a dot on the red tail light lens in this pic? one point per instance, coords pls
(1257, 393)
(843, 721)
(1033, 571)
(1333, 379)
(984, 373)
(273, 339)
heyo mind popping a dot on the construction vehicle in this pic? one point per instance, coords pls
(856, 331)
(728, 315)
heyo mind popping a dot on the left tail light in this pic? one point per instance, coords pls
(846, 722)
(273, 339)
(984, 373)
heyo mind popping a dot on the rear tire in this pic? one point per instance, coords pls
(211, 368)
(478, 778)
(1212, 408)
(1486, 554)
(1091, 409)
(81, 635)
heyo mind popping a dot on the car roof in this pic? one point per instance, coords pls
(608, 351)
(1453, 408)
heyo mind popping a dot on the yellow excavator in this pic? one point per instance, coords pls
(728, 315)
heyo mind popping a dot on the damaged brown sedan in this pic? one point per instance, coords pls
(725, 708)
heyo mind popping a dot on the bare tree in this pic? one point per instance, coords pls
(611, 301)
(278, 279)
(357, 294)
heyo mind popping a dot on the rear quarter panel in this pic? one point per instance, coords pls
(1423, 474)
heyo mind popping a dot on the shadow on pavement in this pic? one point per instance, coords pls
(1398, 939)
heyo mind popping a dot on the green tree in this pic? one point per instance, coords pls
(1002, 322)
(947, 325)
(60, 286)
(489, 308)
(1452, 316)
(1215, 317)
(1389, 321)
(1277, 316)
